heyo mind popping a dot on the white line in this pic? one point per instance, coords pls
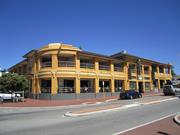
(118, 133)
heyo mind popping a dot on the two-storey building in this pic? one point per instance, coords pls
(61, 71)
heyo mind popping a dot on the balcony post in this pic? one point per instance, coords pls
(54, 61)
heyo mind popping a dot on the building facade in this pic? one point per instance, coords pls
(62, 71)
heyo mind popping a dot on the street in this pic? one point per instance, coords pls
(53, 122)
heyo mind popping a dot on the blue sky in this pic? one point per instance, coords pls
(146, 28)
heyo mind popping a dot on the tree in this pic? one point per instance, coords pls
(172, 71)
(13, 82)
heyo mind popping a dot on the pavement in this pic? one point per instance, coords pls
(50, 103)
(162, 126)
(53, 122)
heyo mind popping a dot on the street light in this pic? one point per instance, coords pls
(103, 90)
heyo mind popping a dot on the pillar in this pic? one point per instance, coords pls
(54, 61)
(112, 86)
(77, 85)
(54, 87)
(96, 85)
(159, 84)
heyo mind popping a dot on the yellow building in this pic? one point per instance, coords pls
(62, 71)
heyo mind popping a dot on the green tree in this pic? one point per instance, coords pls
(13, 82)
(172, 71)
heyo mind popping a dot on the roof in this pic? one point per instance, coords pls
(17, 64)
(99, 55)
(123, 56)
(30, 52)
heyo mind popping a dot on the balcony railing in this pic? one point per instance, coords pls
(66, 90)
(45, 89)
(46, 64)
(87, 65)
(87, 90)
(132, 70)
(146, 72)
(66, 64)
(104, 67)
(106, 89)
(118, 69)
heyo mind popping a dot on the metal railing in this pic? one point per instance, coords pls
(146, 72)
(45, 89)
(46, 64)
(132, 70)
(106, 89)
(87, 65)
(87, 90)
(66, 63)
(118, 69)
(104, 67)
(66, 90)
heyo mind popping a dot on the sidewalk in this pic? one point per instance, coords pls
(47, 103)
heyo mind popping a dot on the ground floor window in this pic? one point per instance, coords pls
(65, 85)
(106, 87)
(132, 85)
(118, 85)
(87, 85)
(46, 86)
(147, 86)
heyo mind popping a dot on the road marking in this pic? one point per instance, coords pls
(159, 101)
(118, 133)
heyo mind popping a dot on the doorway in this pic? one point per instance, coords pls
(140, 86)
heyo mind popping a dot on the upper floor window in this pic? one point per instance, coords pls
(167, 70)
(132, 68)
(46, 61)
(65, 61)
(87, 63)
(104, 65)
(118, 67)
(146, 70)
(161, 69)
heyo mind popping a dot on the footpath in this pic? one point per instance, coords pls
(51, 103)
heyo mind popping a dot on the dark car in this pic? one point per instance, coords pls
(130, 94)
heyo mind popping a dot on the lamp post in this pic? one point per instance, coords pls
(103, 90)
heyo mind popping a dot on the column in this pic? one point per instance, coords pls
(96, 85)
(54, 61)
(77, 85)
(159, 84)
(77, 61)
(112, 86)
(54, 85)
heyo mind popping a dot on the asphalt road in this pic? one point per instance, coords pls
(53, 122)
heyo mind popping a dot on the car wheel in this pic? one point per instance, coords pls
(131, 97)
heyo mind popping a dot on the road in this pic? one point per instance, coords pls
(53, 122)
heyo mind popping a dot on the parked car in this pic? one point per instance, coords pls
(130, 94)
(171, 89)
(8, 96)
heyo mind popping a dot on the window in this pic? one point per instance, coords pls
(45, 86)
(147, 86)
(118, 67)
(132, 85)
(46, 61)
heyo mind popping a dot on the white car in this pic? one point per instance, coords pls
(5, 96)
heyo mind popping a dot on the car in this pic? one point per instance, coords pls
(8, 96)
(171, 89)
(130, 94)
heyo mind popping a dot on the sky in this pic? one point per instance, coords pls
(146, 28)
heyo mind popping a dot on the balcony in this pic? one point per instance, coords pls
(132, 70)
(104, 67)
(66, 63)
(87, 65)
(146, 72)
(46, 64)
(118, 69)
